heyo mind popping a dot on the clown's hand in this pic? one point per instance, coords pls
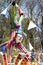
(28, 55)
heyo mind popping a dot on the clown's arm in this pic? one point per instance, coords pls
(21, 47)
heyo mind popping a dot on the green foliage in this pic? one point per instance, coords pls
(14, 53)
(5, 39)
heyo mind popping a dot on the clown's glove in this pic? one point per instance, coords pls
(28, 55)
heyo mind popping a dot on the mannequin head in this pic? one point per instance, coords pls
(19, 38)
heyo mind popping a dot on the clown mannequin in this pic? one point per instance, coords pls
(16, 41)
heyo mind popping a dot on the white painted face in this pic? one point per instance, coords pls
(19, 38)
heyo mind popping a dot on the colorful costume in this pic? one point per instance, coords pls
(13, 42)
(17, 45)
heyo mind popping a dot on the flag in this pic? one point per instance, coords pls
(5, 12)
(30, 46)
(31, 25)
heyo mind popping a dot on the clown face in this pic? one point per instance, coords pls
(19, 38)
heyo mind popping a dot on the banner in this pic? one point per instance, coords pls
(31, 25)
(30, 46)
